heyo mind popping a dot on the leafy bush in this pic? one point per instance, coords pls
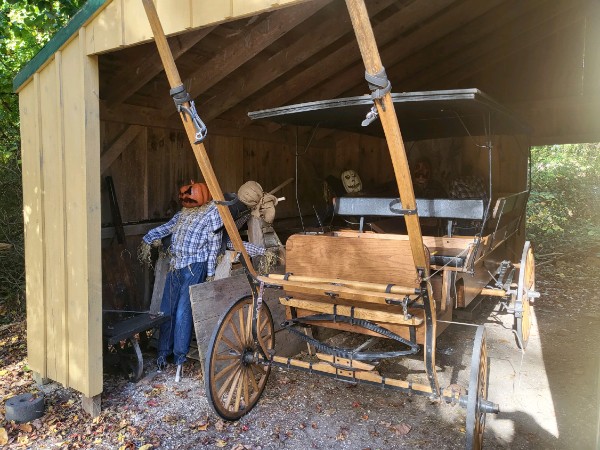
(564, 207)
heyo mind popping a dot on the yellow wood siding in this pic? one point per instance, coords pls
(124, 23)
(33, 215)
(61, 164)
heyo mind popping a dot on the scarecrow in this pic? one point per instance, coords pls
(196, 240)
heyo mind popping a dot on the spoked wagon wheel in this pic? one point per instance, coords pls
(477, 395)
(234, 379)
(525, 291)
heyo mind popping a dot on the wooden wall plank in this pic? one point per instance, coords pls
(245, 7)
(204, 13)
(175, 15)
(136, 27)
(118, 146)
(33, 219)
(76, 215)
(62, 302)
(106, 31)
(52, 173)
(227, 156)
(92, 295)
(74, 165)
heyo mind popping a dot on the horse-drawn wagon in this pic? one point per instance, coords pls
(384, 279)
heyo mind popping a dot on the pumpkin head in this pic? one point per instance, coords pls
(194, 195)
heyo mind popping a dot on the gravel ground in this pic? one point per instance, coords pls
(548, 395)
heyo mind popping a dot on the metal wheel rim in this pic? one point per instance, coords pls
(478, 388)
(523, 305)
(233, 383)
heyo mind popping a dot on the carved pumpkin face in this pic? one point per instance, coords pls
(351, 181)
(194, 195)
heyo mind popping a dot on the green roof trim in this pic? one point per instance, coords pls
(57, 41)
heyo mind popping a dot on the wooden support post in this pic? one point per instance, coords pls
(387, 115)
(91, 405)
(199, 150)
(39, 379)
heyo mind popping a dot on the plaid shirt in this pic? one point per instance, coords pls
(196, 237)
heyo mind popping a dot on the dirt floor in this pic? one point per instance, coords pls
(548, 395)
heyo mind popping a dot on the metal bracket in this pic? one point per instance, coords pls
(372, 115)
(404, 212)
(180, 97)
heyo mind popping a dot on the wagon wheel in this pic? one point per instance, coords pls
(478, 388)
(234, 379)
(525, 291)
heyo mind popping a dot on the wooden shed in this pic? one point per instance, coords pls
(96, 101)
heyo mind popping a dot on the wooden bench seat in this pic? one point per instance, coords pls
(349, 276)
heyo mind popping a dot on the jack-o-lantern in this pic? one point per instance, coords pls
(351, 181)
(194, 195)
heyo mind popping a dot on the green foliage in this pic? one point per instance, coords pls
(25, 26)
(564, 207)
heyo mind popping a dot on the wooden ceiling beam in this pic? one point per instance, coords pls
(546, 23)
(498, 19)
(250, 42)
(385, 31)
(456, 17)
(320, 37)
(135, 116)
(135, 74)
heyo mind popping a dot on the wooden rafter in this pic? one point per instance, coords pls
(321, 36)
(262, 34)
(432, 31)
(546, 23)
(135, 74)
(493, 22)
(386, 31)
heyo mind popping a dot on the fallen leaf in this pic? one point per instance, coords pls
(221, 443)
(27, 428)
(219, 425)
(3, 436)
(342, 434)
(401, 429)
(146, 447)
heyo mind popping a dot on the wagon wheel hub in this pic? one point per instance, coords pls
(249, 357)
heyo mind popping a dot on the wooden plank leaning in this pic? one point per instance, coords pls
(198, 148)
(387, 115)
